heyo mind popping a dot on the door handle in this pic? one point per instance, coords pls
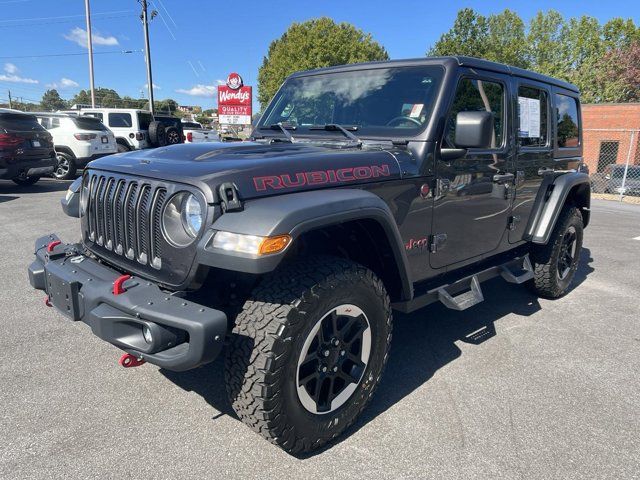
(503, 178)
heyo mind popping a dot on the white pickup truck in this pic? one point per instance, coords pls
(195, 133)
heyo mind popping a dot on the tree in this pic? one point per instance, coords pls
(105, 97)
(52, 101)
(617, 75)
(500, 37)
(546, 47)
(314, 44)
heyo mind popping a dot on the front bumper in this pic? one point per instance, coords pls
(185, 334)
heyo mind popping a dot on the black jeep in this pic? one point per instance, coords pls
(364, 188)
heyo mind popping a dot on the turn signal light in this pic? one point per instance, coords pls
(274, 244)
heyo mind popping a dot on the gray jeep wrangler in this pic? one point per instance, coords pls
(365, 188)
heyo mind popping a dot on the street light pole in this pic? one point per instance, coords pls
(90, 47)
(145, 24)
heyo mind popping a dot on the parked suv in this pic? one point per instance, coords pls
(130, 126)
(291, 251)
(77, 140)
(26, 149)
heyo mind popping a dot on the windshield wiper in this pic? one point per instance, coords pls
(334, 127)
(284, 129)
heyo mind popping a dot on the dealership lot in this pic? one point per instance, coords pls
(516, 387)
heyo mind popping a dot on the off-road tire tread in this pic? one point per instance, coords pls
(545, 282)
(264, 333)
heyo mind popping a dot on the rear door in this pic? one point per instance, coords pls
(473, 196)
(534, 149)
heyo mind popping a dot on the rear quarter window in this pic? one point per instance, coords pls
(144, 119)
(16, 122)
(568, 122)
(120, 120)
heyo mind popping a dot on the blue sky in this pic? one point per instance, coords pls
(196, 43)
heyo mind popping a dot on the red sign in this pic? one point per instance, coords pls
(234, 101)
(234, 109)
(229, 96)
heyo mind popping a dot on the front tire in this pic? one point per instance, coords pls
(308, 350)
(555, 263)
(66, 167)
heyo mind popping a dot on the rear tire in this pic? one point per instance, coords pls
(66, 167)
(308, 350)
(555, 263)
(25, 181)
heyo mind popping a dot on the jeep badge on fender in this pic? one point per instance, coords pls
(363, 189)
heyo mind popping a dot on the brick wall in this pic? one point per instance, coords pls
(610, 123)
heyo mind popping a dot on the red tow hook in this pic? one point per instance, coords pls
(47, 302)
(118, 286)
(53, 245)
(127, 361)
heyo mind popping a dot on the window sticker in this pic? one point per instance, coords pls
(529, 115)
(416, 110)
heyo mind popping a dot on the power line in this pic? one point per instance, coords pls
(70, 54)
(63, 16)
(62, 21)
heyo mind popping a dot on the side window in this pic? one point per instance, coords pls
(45, 122)
(55, 122)
(474, 95)
(122, 120)
(533, 117)
(94, 114)
(144, 119)
(567, 121)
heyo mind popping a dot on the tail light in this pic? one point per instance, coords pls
(189, 137)
(139, 135)
(8, 140)
(85, 136)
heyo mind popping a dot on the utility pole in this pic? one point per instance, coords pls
(10, 104)
(145, 25)
(90, 47)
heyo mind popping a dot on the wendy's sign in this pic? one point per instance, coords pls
(234, 101)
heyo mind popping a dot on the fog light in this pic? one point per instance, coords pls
(146, 333)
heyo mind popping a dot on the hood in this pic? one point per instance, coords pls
(256, 169)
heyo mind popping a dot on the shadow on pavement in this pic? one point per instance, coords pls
(43, 185)
(423, 342)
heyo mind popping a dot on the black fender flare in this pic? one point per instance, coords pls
(552, 199)
(295, 214)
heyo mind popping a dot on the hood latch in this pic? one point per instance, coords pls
(229, 197)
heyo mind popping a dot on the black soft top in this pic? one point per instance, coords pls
(456, 61)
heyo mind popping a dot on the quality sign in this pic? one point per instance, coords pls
(234, 102)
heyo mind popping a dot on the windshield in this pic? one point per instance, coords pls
(380, 102)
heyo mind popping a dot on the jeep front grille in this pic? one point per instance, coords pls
(124, 215)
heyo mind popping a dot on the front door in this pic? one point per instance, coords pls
(473, 199)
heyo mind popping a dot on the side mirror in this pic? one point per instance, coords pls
(474, 129)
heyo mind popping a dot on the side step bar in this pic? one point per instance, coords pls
(466, 292)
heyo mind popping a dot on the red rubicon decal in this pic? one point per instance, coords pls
(319, 177)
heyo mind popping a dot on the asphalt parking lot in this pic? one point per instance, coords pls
(515, 387)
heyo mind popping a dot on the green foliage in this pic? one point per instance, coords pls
(51, 101)
(595, 57)
(314, 44)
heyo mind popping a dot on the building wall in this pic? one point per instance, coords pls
(611, 123)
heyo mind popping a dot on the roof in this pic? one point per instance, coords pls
(13, 110)
(52, 114)
(453, 61)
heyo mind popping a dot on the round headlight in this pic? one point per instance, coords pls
(182, 219)
(84, 195)
(192, 215)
